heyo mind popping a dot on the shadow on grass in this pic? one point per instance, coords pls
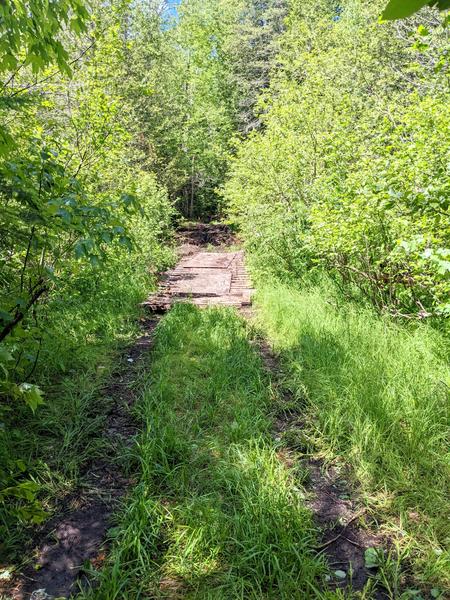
(395, 444)
(376, 396)
(216, 514)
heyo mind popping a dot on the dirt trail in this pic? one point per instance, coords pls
(205, 276)
(76, 533)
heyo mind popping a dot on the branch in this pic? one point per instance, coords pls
(33, 85)
(21, 313)
(22, 275)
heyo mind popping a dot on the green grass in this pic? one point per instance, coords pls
(374, 396)
(215, 514)
(86, 327)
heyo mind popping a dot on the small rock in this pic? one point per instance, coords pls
(40, 595)
(340, 574)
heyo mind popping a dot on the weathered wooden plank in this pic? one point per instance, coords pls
(210, 260)
(205, 279)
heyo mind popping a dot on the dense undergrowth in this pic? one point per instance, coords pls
(214, 514)
(98, 311)
(373, 396)
(84, 227)
(350, 172)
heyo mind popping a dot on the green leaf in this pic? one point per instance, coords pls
(50, 272)
(65, 215)
(128, 199)
(444, 309)
(400, 9)
(76, 25)
(8, 62)
(80, 249)
(20, 464)
(441, 4)
(31, 394)
(26, 490)
(443, 266)
(5, 355)
(20, 302)
(126, 241)
(372, 558)
(5, 317)
(94, 260)
(6, 141)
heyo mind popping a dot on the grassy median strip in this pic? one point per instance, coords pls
(215, 514)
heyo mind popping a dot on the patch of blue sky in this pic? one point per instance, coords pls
(171, 11)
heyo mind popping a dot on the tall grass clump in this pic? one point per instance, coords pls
(214, 514)
(376, 395)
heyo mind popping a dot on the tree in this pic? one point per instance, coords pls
(347, 173)
(252, 49)
(181, 97)
(66, 184)
(74, 208)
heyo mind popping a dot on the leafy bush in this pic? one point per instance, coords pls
(83, 230)
(72, 333)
